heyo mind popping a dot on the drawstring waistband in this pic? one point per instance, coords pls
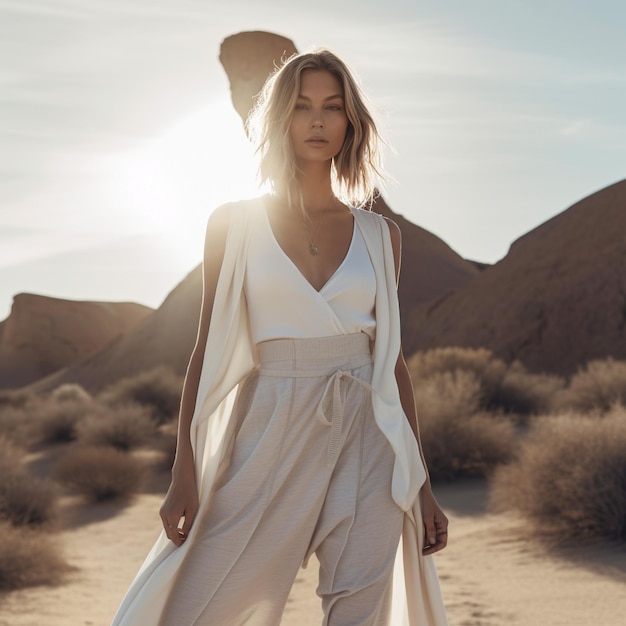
(326, 357)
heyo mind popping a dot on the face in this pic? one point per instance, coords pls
(319, 123)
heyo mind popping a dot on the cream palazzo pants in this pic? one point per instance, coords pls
(310, 472)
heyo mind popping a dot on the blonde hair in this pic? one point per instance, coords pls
(356, 170)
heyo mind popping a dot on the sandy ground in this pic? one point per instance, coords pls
(491, 575)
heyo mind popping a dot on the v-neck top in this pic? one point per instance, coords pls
(283, 304)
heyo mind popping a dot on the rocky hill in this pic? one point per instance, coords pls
(557, 300)
(43, 335)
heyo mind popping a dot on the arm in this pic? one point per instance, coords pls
(435, 521)
(181, 500)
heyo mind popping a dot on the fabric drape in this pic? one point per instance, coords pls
(229, 356)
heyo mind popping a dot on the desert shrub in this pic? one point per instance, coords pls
(15, 398)
(58, 420)
(521, 392)
(71, 392)
(24, 499)
(124, 427)
(600, 385)
(458, 439)
(502, 387)
(569, 477)
(481, 362)
(28, 558)
(158, 389)
(11, 455)
(17, 425)
(99, 473)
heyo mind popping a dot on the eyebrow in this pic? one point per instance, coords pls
(333, 97)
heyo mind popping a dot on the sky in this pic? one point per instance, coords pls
(118, 137)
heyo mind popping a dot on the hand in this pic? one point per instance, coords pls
(435, 523)
(181, 503)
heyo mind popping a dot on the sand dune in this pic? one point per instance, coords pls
(491, 574)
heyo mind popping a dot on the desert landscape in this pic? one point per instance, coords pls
(519, 372)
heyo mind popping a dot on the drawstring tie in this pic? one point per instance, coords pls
(337, 407)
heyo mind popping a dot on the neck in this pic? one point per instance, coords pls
(316, 187)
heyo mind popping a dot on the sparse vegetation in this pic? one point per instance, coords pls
(124, 427)
(459, 439)
(15, 398)
(508, 388)
(158, 389)
(17, 425)
(598, 386)
(58, 420)
(25, 500)
(28, 558)
(570, 477)
(523, 393)
(71, 392)
(100, 473)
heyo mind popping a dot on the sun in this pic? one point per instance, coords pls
(171, 185)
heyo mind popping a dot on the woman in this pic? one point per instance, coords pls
(295, 435)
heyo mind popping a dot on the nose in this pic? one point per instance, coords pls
(316, 120)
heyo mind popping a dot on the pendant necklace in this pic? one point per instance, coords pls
(313, 249)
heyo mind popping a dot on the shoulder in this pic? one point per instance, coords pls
(394, 232)
(225, 212)
(232, 212)
(381, 220)
(229, 220)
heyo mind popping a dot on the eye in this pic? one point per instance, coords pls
(334, 107)
(300, 107)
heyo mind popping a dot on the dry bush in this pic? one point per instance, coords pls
(124, 427)
(100, 473)
(569, 477)
(481, 362)
(28, 558)
(15, 398)
(71, 392)
(524, 393)
(159, 389)
(508, 388)
(600, 385)
(458, 439)
(58, 420)
(24, 499)
(18, 426)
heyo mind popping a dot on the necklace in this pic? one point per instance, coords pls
(313, 249)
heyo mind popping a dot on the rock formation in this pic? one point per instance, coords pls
(557, 300)
(165, 338)
(248, 58)
(43, 335)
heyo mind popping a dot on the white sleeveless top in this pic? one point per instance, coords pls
(283, 304)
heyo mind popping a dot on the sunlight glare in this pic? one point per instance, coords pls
(171, 185)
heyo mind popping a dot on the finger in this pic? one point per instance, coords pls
(188, 523)
(172, 531)
(431, 532)
(440, 543)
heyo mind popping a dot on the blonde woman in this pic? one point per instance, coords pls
(297, 430)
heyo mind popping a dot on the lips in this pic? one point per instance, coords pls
(316, 139)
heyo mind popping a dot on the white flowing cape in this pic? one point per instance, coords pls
(228, 359)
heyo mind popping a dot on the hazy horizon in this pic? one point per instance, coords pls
(120, 138)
